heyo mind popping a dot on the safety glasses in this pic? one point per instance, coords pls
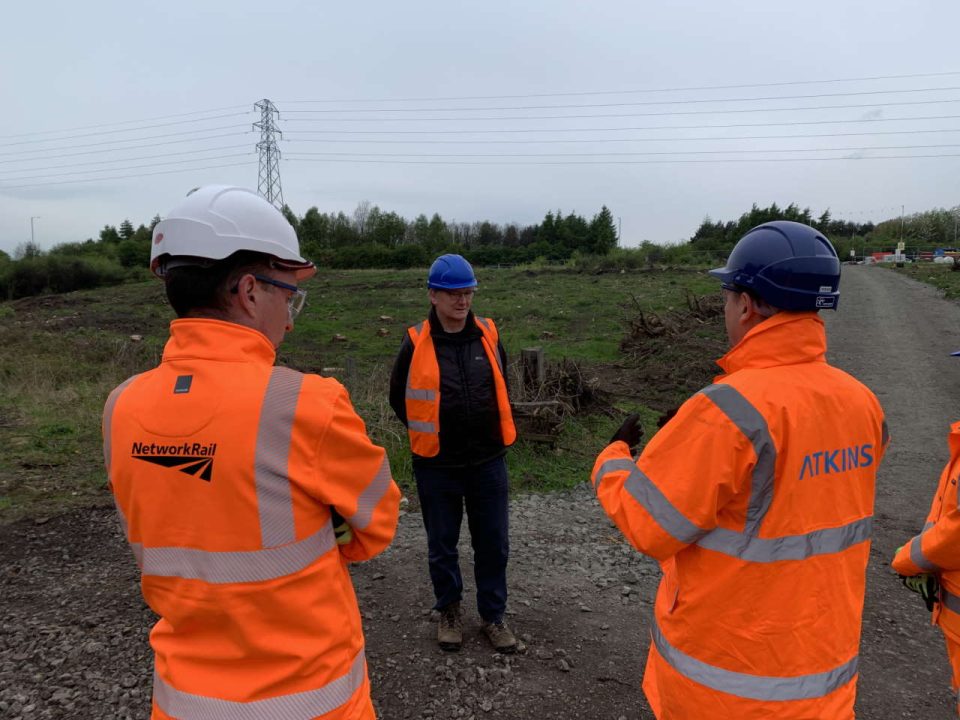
(295, 301)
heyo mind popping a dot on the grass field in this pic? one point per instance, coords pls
(941, 276)
(61, 355)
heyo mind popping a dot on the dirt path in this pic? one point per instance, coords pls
(73, 631)
(895, 335)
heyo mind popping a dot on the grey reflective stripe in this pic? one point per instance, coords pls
(108, 420)
(415, 394)
(137, 548)
(951, 601)
(483, 321)
(371, 495)
(754, 427)
(274, 501)
(418, 327)
(494, 350)
(884, 434)
(236, 566)
(424, 427)
(295, 706)
(927, 526)
(755, 687)
(642, 489)
(788, 547)
(917, 556)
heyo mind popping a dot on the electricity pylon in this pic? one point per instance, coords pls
(269, 183)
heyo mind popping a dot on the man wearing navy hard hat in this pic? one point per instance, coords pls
(757, 498)
(449, 387)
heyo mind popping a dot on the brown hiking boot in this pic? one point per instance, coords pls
(450, 629)
(500, 637)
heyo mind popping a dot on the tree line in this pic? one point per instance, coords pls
(371, 237)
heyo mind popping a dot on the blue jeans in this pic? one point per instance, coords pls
(484, 490)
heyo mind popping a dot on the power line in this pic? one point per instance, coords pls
(122, 122)
(633, 92)
(619, 129)
(121, 177)
(627, 162)
(625, 154)
(148, 137)
(630, 104)
(665, 113)
(109, 132)
(120, 160)
(627, 140)
(129, 167)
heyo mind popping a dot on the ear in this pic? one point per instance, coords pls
(748, 315)
(246, 297)
(433, 296)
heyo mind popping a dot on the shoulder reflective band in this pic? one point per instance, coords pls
(371, 495)
(917, 556)
(755, 687)
(754, 427)
(643, 490)
(274, 431)
(108, 420)
(295, 706)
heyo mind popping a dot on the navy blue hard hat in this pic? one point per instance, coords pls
(451, 272)
(789, 265)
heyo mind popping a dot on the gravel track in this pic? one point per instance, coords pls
(73, 629)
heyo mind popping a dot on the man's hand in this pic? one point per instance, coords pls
(926, 586)
(341, 530)
(630, 432)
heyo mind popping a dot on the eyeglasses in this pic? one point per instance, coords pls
(295, 301)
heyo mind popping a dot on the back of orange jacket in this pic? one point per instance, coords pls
(225, 470)
(757, 499)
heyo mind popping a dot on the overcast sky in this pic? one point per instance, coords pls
(133, 90)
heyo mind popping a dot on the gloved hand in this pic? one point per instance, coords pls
(630, 432)
(665, 418)
(341, 530)
(925, 585)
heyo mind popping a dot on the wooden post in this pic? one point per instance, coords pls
(533, 370)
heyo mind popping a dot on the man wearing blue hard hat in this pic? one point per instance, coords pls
(757, 499)
(929, 562)
(449, 388)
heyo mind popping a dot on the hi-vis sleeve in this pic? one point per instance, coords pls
(937, 547)
(355, 478)
(672, 495)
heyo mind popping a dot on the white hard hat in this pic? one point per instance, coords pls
(215, 221)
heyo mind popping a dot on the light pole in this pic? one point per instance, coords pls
(32, 218)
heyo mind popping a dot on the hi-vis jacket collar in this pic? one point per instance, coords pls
(783, 339)
(191, 338)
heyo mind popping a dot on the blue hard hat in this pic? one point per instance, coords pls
(451, 272)
(789, 265)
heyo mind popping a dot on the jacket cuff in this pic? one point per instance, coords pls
(902, 562)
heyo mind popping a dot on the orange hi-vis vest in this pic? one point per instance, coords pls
(224, 470)
(757, 500)
(423, 389)
(937, 548)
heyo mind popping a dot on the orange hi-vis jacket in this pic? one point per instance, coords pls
(224, 470)
(423, 388)
(937, 548)
(757, 500)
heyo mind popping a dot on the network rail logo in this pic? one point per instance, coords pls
(190, 458)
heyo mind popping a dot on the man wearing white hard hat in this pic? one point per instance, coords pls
(245, 488)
